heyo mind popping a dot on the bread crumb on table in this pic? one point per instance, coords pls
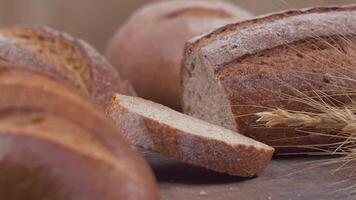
(203, 193)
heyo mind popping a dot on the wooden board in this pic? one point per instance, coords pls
(286, 178)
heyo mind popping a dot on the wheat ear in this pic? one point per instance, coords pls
(335, 118)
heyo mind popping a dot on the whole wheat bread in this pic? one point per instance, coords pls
(232, 73)
(163, 130)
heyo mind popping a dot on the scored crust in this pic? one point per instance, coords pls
(51, 133)
(66, 153)
(59, 53)
(160, 129)
(241, 69)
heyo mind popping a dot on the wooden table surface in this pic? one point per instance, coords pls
(286, 178)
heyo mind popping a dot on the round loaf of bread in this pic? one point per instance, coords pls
(55, 144)
(67, 57)
(148, 48)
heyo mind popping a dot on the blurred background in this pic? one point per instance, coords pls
(97, 20)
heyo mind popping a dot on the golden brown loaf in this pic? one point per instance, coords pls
(148, 48)
(173, 134)
(248, 67)
(70, 58)
(55, 144)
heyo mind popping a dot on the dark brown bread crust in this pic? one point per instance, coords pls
(104, 79)
(214, 35)
(39, 162)
(239, 55)
(237, 160)
(148, 48)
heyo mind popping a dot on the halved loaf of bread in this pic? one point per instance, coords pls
(161, 129)
(240, 69)
(70, 58)
(55, 144)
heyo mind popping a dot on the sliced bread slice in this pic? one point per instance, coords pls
(173, 134)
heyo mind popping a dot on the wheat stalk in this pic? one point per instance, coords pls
(343, 120)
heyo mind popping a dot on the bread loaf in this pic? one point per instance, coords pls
(148, 48)
(163, 130)
(240, 69)
(55, 144)
(70, 58)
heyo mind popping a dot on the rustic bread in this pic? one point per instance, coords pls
(55, 144)
(163, 130)
(70, 58)
(148, 48)
(238, 70)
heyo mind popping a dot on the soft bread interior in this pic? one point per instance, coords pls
(64, 56)
(182, 122)
(203, 95)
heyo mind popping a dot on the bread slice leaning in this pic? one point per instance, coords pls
(161, 129)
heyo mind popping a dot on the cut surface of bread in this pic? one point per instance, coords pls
(190, 140)
(241, 69)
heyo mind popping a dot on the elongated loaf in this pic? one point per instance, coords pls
(148, 48)
(55, 144)
(240, 69)
(163, 130)
(60, 54)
